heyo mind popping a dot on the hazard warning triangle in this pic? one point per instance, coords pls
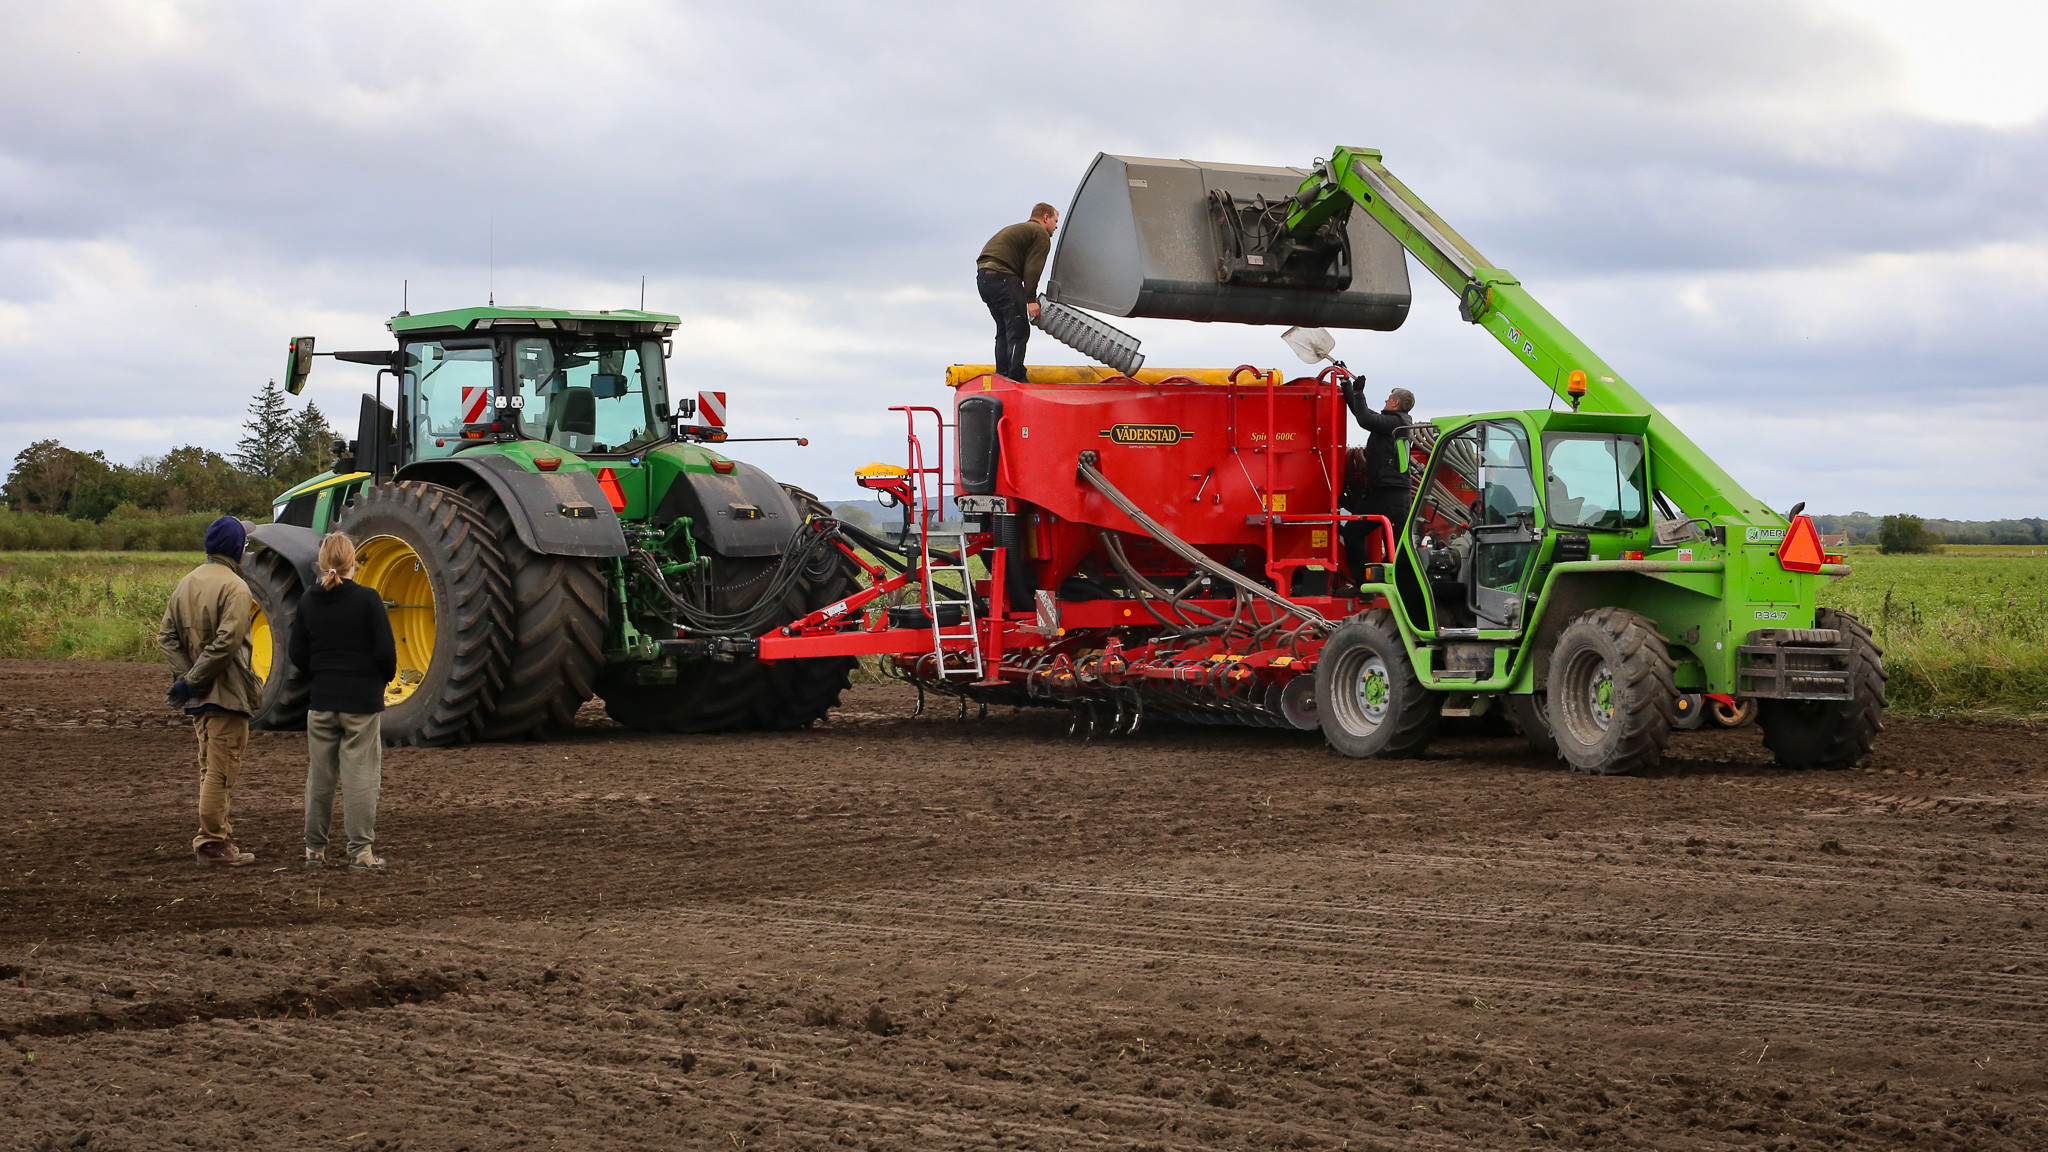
(1801, 551)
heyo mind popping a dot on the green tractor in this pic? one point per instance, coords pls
(546, 524)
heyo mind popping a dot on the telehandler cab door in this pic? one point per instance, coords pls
(1476, 526)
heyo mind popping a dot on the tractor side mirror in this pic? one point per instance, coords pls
(298, 362)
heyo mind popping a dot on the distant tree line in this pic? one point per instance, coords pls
(48, 481)
(1864, 528)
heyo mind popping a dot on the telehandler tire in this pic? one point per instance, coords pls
(558, 632)
(1610, 693)
(1831, 734)
(430, 554)
(1368, 698)
(714, 696)
(274, 586)
(1531, 713)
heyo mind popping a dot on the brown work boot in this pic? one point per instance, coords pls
(222, 852)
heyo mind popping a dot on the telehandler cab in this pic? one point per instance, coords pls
(545, 523)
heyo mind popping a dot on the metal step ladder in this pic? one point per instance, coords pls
(937, 599)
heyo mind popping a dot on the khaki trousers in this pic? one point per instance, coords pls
(344, 747)
(223, 737)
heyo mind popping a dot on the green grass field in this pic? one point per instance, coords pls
(1964, 632)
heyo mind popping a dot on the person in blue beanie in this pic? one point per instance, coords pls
(205, 637)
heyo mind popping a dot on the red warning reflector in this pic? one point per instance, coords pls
(609, 481)
(722, 467)
(1801, 551)
(547, 463)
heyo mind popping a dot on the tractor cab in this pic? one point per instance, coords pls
(588, 383)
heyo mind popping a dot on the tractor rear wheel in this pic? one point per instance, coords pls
(1831, 733)
(715, 696)
(1611, 696)
(429, 553)
(1368, 698)
(558, 634)
(274, 586)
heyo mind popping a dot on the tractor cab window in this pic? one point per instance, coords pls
(1594, 480)
(447, 385)
(591, 394)
(1475, 531)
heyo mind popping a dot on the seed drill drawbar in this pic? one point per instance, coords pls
(1168, 543)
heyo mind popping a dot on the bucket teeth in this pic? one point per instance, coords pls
(1089, 336)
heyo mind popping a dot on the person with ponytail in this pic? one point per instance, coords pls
(341, 640)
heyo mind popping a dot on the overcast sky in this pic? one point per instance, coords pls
(1812, 230)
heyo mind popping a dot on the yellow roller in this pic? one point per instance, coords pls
(960, 374)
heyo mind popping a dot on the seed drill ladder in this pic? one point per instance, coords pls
(929, 481)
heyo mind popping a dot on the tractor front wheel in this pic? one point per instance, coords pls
(1831, 733)
(430, 555)
(274, 586)
(1368, 698)
(1611, 697)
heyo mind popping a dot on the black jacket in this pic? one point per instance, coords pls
(1382, 463)
(342, 639)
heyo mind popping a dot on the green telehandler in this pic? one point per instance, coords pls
(1589, 569)
(545, 523)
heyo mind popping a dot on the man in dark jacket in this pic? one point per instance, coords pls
(342, 642)
(205, 638)
(1006, 273)
(1386, 490)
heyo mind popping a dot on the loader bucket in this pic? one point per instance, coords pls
(1146, 237)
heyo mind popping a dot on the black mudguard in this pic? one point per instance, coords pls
(555, 513)
(299, 545)
(742, 513)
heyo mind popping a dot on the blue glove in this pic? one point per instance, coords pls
(180, 692)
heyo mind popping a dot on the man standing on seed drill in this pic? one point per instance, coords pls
(205, 636)
(1006, 273)
(1379, 482)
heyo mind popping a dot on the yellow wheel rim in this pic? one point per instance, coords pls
(260, 643)
(390, 566)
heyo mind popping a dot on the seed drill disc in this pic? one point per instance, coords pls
(1298, 703)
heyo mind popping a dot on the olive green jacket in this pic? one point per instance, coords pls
(1020, 250)
(205, 636)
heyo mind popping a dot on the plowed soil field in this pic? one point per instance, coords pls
(930, 933)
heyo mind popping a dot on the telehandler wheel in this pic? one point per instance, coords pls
(1368, 699)
(1611, 696)
(711, 696)
(274, 586)
(559, 630)
(431, 556)
(1531, 714)
(1831, 733)
(1740, 714)
(1691, 712)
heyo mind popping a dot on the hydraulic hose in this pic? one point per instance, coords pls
(1189, 552)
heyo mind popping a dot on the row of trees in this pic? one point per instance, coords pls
(279, 448)
(1864, 528)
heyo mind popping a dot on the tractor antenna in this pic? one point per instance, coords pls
(491, 276)
(643, 292)
(405, 297)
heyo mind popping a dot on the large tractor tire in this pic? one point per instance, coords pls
(1831, 734)
(1611, 699)
(430, 554)
(1368, 698)
(558, 634)
(1531, 713)
(715, 696)
(274, 586)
